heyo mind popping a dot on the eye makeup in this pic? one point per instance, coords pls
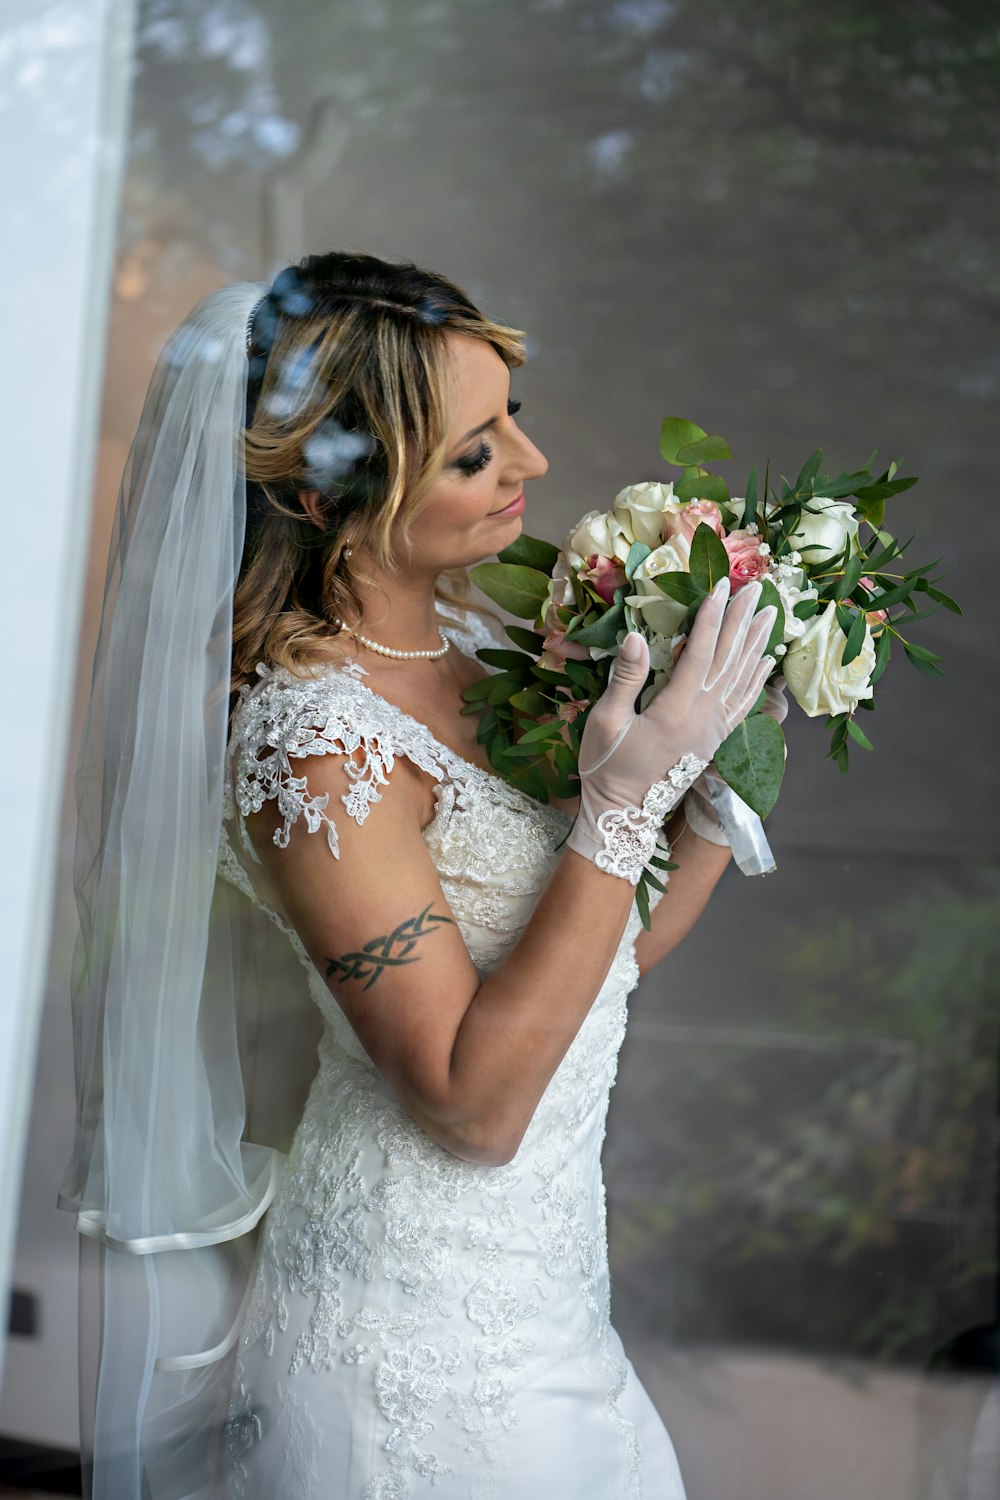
(475, 462)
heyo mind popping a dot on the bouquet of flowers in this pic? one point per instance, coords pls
(819, 548)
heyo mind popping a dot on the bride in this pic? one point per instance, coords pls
(427, 1309)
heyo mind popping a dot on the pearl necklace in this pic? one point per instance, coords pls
(363, 640)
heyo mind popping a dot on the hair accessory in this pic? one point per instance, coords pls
(253, 313)
(377, 646)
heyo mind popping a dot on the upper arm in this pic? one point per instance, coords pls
(374, 920)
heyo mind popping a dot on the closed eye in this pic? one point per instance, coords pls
(475, 462)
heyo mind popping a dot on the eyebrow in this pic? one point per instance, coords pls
(474, 431)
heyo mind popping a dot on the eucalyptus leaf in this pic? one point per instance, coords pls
(849, 581)
(921, 663)
(769, 595)
(680, 586)
(603, 633)
(675, 433)
(702, 487)
(531, 552)
(922, 652)
(638, 552)
(496, 656)
(855, 640)
(809, 470)
(519, 590)
(531, 702)
(709, 560)
(883, 651)
(752, 761)
(750, 500)
(858, 734)
(874, 511)
(945, 600)
(891, 596)
(711, 449)
(539, 733)
(528, 640)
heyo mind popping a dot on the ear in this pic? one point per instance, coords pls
(312, 503)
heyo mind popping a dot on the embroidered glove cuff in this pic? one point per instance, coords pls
(622, 840)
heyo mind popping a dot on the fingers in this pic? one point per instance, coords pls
(738, 635)
(699, 652)
(628, 674)
(747, 690)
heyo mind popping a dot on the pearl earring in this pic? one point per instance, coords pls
(346, 553)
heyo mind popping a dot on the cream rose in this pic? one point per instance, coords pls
(601, 534)
(793, 586)
(656, 610)
(813, 669)
(639, 508)
(826, 530)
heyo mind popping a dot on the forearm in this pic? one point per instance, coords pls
(699, 868)
(523, 1018)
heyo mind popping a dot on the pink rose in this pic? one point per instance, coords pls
(873, 616)
(570, 708)
(556, 649)
(746, 561)
(605, 574)
(684, 519)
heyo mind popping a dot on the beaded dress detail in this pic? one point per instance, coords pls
(419, 1326)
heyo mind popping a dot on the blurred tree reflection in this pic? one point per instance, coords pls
(839, 1191)
(768, 217)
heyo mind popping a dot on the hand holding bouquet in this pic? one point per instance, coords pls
(649, 562)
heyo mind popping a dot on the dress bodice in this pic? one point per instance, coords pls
(493, 846)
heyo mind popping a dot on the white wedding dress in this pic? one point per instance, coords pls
(419, 1326)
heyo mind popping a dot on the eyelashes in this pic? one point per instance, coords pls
(474, 463)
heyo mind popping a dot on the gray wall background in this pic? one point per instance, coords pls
(781, 222)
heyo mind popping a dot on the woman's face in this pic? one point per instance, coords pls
(474, 508)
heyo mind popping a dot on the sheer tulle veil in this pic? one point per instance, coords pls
(166, 1181)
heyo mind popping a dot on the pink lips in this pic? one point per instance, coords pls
(515, 508)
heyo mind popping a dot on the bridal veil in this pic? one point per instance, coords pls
(164, 1186)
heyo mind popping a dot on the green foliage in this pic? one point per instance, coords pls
(532, 716)
(752, 761)
(517, 589)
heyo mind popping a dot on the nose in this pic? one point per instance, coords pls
(531, 461)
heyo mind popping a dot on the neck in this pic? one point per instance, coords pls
(399, 610)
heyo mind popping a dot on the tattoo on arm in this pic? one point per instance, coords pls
(390, 951)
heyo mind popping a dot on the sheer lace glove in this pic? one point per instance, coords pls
(699, 810)
(622, 753)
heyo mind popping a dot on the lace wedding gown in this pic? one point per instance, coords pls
(419, 1326)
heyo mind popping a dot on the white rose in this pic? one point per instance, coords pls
(656, 610)
(827, 530)
(640, 509)
(793, 586)
(599, 532)
(559, 593)
(813, 668)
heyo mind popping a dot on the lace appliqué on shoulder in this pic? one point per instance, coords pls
(282, 719)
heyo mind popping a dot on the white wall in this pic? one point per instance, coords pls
(64, 74)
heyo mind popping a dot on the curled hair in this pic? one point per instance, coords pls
(347, 397)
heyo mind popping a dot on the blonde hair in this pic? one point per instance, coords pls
(347, 396)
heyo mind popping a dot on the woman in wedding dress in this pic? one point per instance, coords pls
(427, 1312)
